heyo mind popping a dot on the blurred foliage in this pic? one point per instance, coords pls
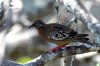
(23, 59)
(98, 64)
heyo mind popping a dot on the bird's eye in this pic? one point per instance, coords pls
(37, 24)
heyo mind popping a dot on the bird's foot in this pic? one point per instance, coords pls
(56, 48)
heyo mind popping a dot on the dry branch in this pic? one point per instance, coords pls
(88, 20)
(84, 16)
(73, 49)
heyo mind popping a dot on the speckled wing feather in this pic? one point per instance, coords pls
(58, 32)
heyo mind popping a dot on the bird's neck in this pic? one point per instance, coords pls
(41, 31)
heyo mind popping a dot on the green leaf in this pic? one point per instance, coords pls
(23, 59)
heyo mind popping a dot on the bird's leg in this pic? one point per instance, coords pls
(56, 48)
(57, 9)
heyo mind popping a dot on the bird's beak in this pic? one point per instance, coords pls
(30, 26)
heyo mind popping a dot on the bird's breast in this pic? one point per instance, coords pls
(60, 42)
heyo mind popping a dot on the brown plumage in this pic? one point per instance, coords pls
(57, 33)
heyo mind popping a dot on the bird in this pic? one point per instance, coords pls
(57, 33)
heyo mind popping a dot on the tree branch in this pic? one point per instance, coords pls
(82, 14)
(76, 48)
(91, 23)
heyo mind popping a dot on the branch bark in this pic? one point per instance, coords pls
(84, 16)
(88, 20)
(72, 49)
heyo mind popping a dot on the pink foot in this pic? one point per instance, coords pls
(56, 48)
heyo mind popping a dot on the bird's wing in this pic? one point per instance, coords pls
(58, 35)
(57, 32)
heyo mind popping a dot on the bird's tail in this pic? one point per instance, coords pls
(82, 36)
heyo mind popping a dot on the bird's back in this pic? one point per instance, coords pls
(57, 33)
(60, 34)
(58, 29)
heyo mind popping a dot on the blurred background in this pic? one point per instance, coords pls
(23, 44)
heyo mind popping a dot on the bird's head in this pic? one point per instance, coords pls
(37, 23)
